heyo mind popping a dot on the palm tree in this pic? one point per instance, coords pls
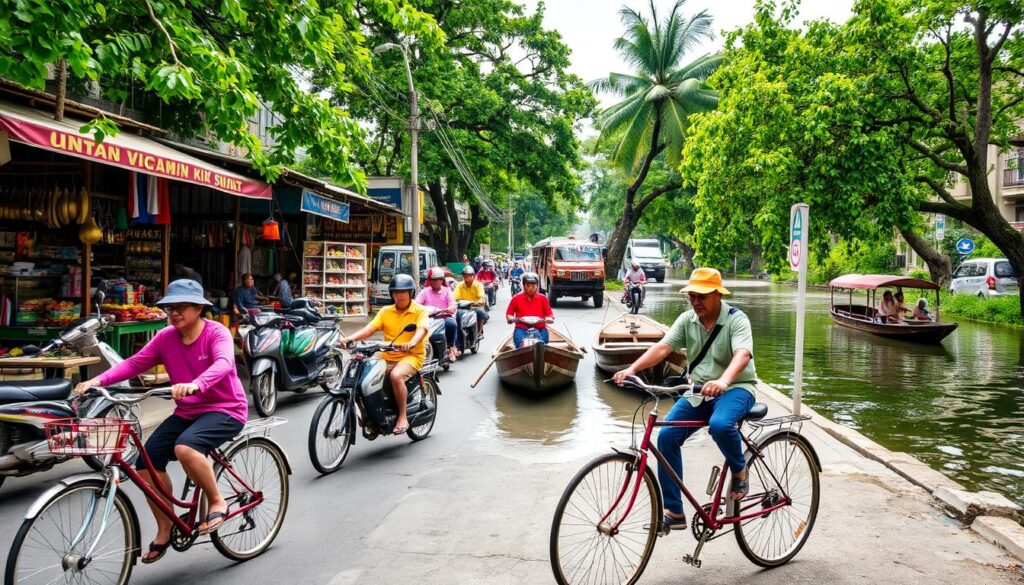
(659, 98)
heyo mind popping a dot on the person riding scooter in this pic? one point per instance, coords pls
(635, 275)
(402, 364)
(471, 290)
(489, 279)
(436, 294)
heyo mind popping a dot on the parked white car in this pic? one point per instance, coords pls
(985, 277)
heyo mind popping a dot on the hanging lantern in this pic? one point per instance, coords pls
(271, 230)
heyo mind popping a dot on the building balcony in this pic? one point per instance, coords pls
(1013, 177)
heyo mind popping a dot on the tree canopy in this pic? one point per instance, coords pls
(213, 63)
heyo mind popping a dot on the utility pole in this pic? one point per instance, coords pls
(414, 129)
(511, 234)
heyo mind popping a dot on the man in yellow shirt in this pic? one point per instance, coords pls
(471, 290)
(412, 345)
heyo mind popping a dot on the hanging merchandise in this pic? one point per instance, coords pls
(163, 217)
(271, 231)
(121, 219)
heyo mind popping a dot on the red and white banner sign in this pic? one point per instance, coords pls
(124, 150)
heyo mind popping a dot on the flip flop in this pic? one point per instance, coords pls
(740, 488)
(159, 549)
(211, 518)
(401, 430)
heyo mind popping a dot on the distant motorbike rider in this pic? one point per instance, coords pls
(530, 303)
(471, 290)
(436, 294)
(412, 346)
(635, 275)
(487, 274)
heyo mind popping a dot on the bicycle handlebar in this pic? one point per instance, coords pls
(678, 391)
(125, 398)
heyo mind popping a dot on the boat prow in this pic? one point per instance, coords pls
(623, 339)
(538, 368)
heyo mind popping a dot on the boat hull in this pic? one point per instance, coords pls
(909, 331)
(612, 359)
(538, 368)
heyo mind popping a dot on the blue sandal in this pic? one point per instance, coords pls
(739, 490)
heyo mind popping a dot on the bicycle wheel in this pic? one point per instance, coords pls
(580, 551)
(40, 552)
(261, 465)
(786, 467)
(330, 433)
(420, 432)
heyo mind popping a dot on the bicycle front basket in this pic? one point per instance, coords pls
(71, 437)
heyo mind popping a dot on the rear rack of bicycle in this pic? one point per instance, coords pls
(260, 426)
(779, 420)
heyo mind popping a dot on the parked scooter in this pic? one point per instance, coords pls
(467, 319)
(292, 350)
(365, 385)
(26, 405)
(632, 296)
(437, 344)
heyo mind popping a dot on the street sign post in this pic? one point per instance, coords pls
(940, 227)
(798, 228)
(965, 246)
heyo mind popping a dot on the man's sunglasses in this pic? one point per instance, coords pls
(698, 297)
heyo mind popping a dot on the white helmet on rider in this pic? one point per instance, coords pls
(435, 273)
(635, 265)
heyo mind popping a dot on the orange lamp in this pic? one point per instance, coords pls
(271, 230)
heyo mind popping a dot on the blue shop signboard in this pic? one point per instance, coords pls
(324, 207)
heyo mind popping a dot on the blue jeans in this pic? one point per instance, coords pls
(519, 334)
(451, 331)
(722, 415)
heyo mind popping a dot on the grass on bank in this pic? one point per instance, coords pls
(612, 284)
(1004, 310)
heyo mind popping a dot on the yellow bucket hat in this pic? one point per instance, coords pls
(705, 280)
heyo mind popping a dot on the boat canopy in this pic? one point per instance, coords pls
(873, 281)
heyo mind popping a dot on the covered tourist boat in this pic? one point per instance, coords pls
(625, 338)
(865, 317)
(538, 368)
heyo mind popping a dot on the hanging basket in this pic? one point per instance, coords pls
(271, 230)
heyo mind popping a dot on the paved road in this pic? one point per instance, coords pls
(473, 502)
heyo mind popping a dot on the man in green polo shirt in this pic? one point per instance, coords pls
(727, 372)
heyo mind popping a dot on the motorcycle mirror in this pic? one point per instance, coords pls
(97, 299)
(409, 328)
(30, 349)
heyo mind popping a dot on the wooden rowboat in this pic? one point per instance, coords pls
(625, 338)
(866, 317)
(538, 368)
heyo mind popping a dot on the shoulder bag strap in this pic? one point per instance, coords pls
(704, 350)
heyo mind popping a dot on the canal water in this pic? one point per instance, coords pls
(958, 406)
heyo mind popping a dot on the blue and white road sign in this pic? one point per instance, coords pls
(965, 245)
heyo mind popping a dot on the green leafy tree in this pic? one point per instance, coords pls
(660, 95)
(498, 93)
(870, 122)
(214, 63)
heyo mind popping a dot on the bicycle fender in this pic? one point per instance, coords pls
(96, 478)
(807, 443)
(261, 365)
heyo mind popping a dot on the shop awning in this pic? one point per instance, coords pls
(126, 151)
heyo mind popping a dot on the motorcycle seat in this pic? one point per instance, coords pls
(33, 390)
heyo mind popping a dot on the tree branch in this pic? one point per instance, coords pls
(1015, 71)
(1007, 106)
(938, 188)
(961, 212)
(655, 193)
(950, 82)
(935, 158)
(914, 99)
(160, 25)
(999, 44)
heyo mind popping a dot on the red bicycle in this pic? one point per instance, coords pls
(610, 515)
(86, 530)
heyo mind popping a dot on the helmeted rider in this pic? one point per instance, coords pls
(529, 303)
(636, 275)
(411, 347)
(471, 290)
(487, 274)
(436, 294)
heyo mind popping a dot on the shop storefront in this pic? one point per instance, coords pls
(125, 216)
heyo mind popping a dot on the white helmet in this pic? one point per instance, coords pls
(435, 273)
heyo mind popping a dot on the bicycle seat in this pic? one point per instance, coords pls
(757, 412)
(33, 390)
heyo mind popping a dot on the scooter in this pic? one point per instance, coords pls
(26, 405)
(293, 350)
(467, 319)
(491, 288)
(633, 296)
(365, 388)
(517, 285)
(437, 344)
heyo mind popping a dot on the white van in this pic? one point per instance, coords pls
(985, 277)
(392, 260)
(647, 253)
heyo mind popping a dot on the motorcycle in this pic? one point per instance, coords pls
(364, 386)
(467, 318)
(491, 288)
(26, 405)
(517, 285)
(293, 350)
(632, 296)
(437, 344)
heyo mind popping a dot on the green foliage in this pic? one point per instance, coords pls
(918, 273)
(214, 63)
(851, 257)
(614, 285)
(1002, 309)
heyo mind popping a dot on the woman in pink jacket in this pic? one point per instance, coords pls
(211, 405)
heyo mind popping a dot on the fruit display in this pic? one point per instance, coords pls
(132, 312)
(47, 312)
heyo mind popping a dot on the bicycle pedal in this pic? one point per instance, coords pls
(689, 560)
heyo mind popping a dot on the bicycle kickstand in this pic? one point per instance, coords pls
(694, 558)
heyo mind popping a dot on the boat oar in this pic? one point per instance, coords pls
(494, 358)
